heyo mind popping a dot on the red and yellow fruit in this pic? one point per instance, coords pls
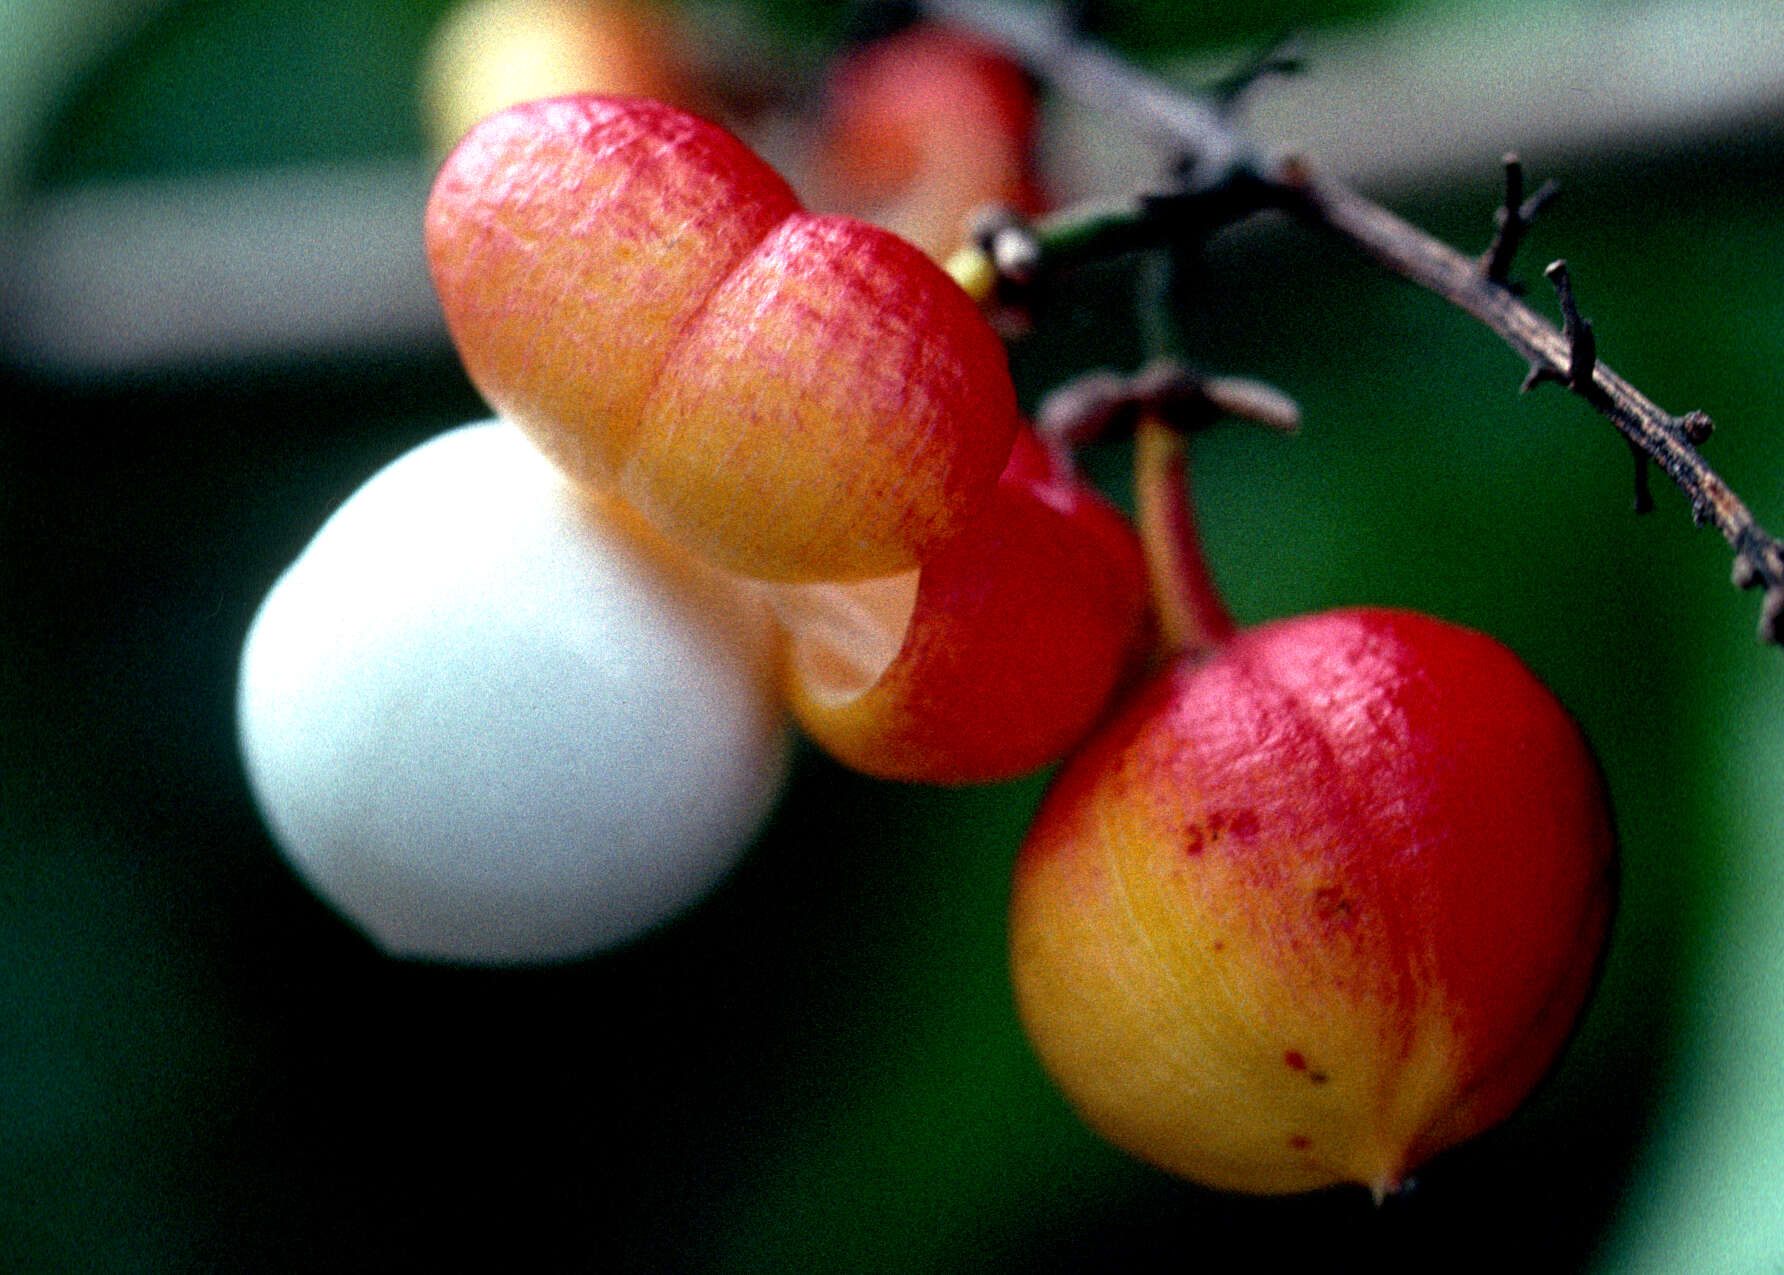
(1323, 900)
(992, 660)
(790, 396)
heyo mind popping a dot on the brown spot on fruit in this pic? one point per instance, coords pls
(1384, 768)
(1242, 823)
(1332, 906)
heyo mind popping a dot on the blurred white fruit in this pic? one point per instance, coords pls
(491, 721)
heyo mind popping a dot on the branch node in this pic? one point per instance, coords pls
(1000, 267)
(1006, 237)
(1292, 172)
(1174, 395)
(1104, 403)
(1237, 184)
(1086, 408)
(1697, 427)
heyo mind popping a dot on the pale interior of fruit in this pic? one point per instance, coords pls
(843, 635)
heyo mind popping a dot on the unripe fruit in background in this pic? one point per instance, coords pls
(1317, 905)
(993, 659)
(489, 54)
(920, 129)
(789, 396)
(492, 720)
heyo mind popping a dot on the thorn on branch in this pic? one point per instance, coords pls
(1750, 572)
(1582, 345)
(1541, 374)
(1513, 221)
(1275, 58)
(1235, 182)
(1644, 491)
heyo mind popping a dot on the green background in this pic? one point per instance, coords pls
(201, 1068)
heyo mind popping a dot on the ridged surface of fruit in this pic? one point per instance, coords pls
(491, 720)
(1317, 907)
(1007, 650)
(790, 396)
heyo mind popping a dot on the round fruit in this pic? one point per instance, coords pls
(923, 128)
(1317, 906)
(492, 720)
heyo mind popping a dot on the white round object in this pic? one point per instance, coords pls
(491, 720)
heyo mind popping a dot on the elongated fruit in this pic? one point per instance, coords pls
(1316, 906)
(491, 720)
(790, 396)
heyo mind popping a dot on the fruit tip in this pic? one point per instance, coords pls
(1391, 1184)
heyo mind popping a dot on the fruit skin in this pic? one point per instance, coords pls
(922, 128)
(790, 396)
(492, 721)
(1317, 907)
(1018, 636)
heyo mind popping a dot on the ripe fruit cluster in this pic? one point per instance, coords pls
(1319, 901)
(806, 401)
(810, 430)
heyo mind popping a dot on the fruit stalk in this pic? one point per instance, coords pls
(1192, 619)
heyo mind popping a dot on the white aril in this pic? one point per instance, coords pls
(491, 720)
